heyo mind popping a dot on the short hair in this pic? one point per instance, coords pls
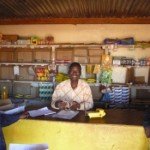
(75, 64)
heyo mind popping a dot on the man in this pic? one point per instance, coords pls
(74, 93)
(6, 120)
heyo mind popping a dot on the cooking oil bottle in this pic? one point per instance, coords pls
(4, 93)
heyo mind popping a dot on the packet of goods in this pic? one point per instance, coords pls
(99, 113)
(96, 69)
(89, 69)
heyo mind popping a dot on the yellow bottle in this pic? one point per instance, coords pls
(4, 93)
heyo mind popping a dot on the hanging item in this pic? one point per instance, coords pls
(89, 69)
(96, 69)
(106, 76)
(106, 60)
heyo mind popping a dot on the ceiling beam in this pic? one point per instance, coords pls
(133, 20)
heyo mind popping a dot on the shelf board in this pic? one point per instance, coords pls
(24, 81)
(6, 80)
(57, 45)
(62, 45)
(24, 64)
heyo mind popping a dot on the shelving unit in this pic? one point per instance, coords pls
(52, 55)
(25, 56)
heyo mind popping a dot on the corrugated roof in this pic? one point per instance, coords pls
(74, 11)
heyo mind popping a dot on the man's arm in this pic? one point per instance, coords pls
(8, 119)
(88, 99)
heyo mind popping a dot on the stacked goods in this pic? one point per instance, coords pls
(61, 77)
(10, 38)
(120, 95)
(124, 41)
(91, 70)
(90, 80)
(46, 90)
(42, 74)
(38, 41)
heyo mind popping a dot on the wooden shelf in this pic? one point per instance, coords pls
(25, 81)
(57, 45)
(6, 80)
(61, 45)
(24, 64)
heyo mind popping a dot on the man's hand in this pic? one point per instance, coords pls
(24, 115)
(62, 105)
(75, 106)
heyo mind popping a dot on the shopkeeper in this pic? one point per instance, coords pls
(74, 93)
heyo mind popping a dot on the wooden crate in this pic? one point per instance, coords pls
(6, 72)
(22, 88)
(81, 59)
(6, 55)
(24, 74)
(95, 60)
(64, 54)
(80, 52)
(42, 55)
(24, 55)
(95, 52)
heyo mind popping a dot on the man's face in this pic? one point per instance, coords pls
(74, 73)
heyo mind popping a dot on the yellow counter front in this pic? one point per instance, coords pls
(67, 135)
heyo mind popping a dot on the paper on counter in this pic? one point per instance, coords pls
(28, 147)
(66, 114)
(15, 110)
(40, 112)
(6, 107)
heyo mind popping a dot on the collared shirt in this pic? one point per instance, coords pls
(81, 94)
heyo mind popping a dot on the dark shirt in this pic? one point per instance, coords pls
(6, 120)
(146, 122)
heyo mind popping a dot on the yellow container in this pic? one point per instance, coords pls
(4, 93)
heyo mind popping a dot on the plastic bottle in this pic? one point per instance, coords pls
(4, 94)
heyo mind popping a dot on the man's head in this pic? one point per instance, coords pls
(74, 71)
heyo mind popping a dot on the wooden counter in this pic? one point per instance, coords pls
(113, 116)
(118, 130)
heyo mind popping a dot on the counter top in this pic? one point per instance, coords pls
(113, 116)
